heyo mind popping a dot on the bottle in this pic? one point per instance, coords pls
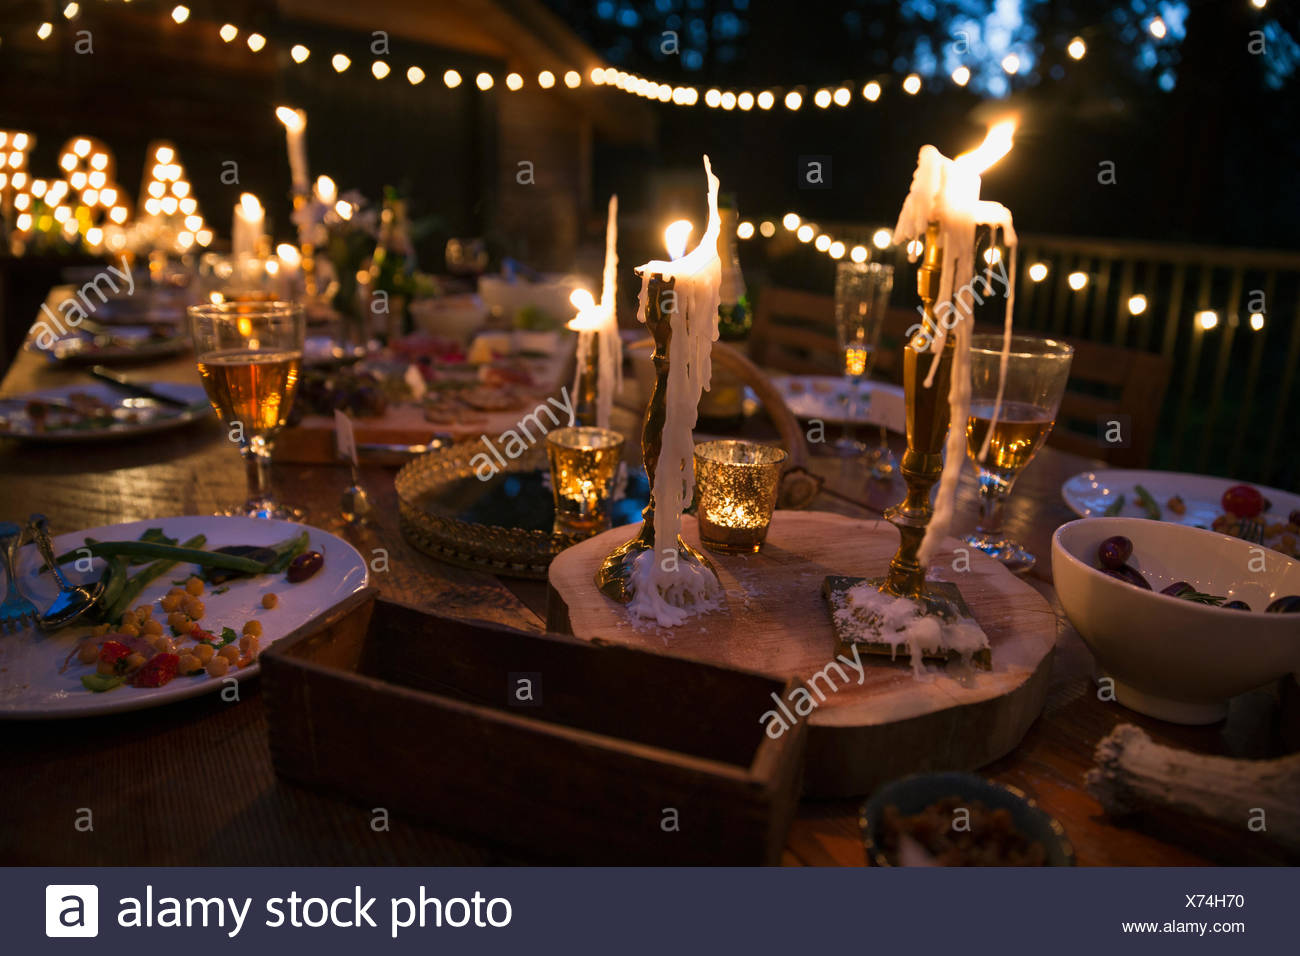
(722, 407)
(392, 268)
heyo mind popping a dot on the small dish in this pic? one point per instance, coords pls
(913, 794)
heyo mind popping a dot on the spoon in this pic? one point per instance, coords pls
(73, 600)
(355, 505)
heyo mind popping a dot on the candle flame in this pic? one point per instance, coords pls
(288, 254)
(581, 300)
(675, 237)
(996, 145)
(250, 205)
(294, 120)
(326, 191)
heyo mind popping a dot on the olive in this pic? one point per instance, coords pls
(304, 566)
(1114, 552)
(1236, 605)
(1128, 575)
(1290, 604)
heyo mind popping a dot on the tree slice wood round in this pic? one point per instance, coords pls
(775, 622)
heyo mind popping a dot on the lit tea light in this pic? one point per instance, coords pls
(584, 464)
(737, 483)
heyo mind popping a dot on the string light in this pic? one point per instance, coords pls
(1258, 5)
(1208, 319)
(299, 53)
(745, 230)
(745, 101)
(1158, 28)
(712, 98)
(180, 13)
(1137, 304)
(1011, 63)
(823, 98)
(483, 81)
(804, 233)
(340, 62)
(765, 100)
(728, 100)
(44, 30)
(572, 79)
(415, 76)
(871, 91)
(514, 81)
(1038, 271)
(1077, 49)
(767, 229)
(1257, 318)
(836, 251)
(822, 243)
(961, 75)
(452, 79)
(1077, 280)
(71, 10)
(256, 41)
(546, 79)
(380, 69)
(843, 96)
(793, 100)
(228, 32)
(882, 238)
(790, 221)
(858, 254)
(912, 85)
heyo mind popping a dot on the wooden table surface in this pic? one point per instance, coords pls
(192, 783)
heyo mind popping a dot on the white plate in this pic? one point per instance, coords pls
(1090, 493)
(134, 345)
(31, 686)
(835, 400)
(14, 422)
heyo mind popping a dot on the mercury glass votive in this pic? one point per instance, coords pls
(584, 464)
(736, 485)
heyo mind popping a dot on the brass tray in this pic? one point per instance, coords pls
(502, 524)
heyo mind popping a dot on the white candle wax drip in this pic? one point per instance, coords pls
(664, 586)
(947, 191)
(597, 323)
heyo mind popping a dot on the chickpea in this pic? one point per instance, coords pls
(151, 627)
(253, 627)
(194, 609)
(130, 630)
(144, 612)
(204, 652)
(165, 645)
(106, 668)
(128, 617)
(189, 664)
(158, 642)
(218, 666)
(99, 630)
(270, 600)
(178, 621)
(134, 661)
(171, 602)
(88, 653)
(230, 652)
(194, 585)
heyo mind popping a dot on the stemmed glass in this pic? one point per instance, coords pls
(1037, 370)
(861, 299)
(249, 356)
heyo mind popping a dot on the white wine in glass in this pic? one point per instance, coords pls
(249, 358)
(1036, 373)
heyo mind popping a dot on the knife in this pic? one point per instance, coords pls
(142, 391)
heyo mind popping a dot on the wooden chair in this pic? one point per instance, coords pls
(1107, 382)
(794, 331)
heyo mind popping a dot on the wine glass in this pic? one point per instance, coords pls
(249, 356)
(1036, 373)
(861, 298)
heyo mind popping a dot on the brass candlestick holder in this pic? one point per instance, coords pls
(616, 570)
(584, 399)
(305, 246)
(928, 414)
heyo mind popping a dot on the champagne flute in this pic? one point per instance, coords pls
(1036, 373)
(249, 356)
(861, 298)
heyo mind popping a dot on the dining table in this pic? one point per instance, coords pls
(193, 783)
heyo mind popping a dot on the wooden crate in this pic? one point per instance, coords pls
(625, 756)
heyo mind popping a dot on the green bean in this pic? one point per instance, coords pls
(149, 549)
(137, 582)
(1115, 507)
(1147, 502)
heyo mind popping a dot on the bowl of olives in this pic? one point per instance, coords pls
(1181, 619)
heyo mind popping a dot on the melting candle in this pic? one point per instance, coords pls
(295, 130)
(947, 191)
(246, 232)
(664, 587)
(597, 326)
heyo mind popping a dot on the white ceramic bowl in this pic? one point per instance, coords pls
(1171, 658)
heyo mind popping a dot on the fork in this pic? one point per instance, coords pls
(16, 613)
(1252, 530)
